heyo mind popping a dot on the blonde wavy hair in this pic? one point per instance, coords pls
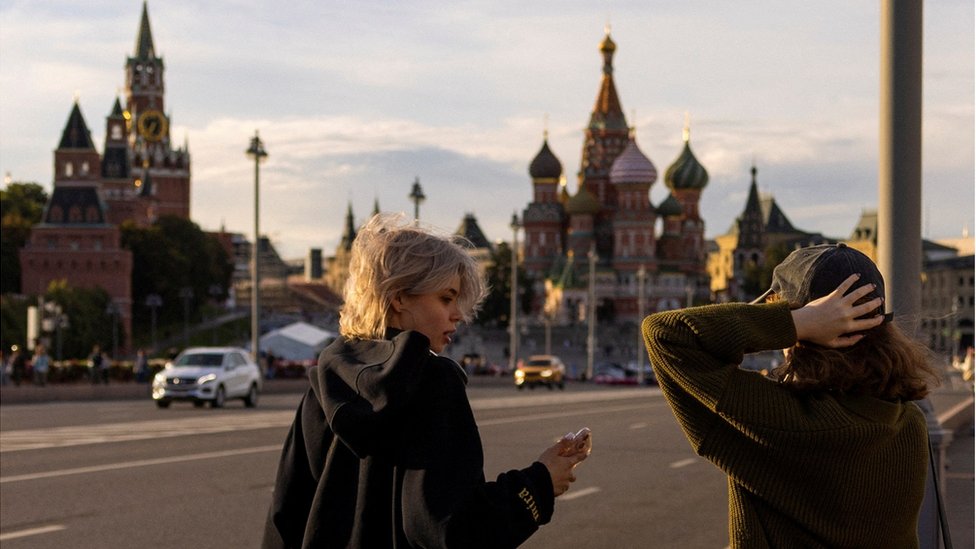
(391, 256)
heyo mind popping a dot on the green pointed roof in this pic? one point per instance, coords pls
(76, 134)
(670, 207)
(583, 202)
(686, 172)
(144, 40)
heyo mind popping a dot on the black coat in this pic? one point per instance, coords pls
(384, 452)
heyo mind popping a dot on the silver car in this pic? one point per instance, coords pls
(208, 374)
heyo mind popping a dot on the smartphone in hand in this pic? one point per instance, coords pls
(580, 442)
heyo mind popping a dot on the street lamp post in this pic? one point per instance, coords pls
(513, 310)
(257, 152)
(641, 276)
(113, 310)
(186, 294)
(417, 195)
(591, 314)
(153, 301)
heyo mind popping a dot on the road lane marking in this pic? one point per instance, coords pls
(552, 415)
(683, 463)
(573, 494)
(141, 463)
(31, 532)
(638, 425)
(58, 437)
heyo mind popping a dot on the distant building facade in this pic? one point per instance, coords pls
(140, 176)
(742, 250)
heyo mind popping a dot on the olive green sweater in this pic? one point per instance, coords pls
(814, 470)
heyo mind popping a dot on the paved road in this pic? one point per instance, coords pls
(125, 474)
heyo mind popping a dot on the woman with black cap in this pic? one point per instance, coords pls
(828, 451)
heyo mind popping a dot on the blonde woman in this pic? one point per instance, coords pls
(384, 450)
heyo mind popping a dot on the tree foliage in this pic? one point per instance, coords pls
(89, 321)
(496, 309)
(21, 206)
(171, 255)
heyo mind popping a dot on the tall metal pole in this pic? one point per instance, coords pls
(900, 204)
(591, 314)
(641, 276)
(900, 159)
(513, 311)
(257, 152)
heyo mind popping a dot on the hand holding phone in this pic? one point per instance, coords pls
(580, 442)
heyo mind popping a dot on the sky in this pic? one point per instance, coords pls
(354, 100)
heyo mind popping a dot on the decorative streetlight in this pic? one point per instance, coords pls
(513, 312)
(186, 294)
(417, 195)
(641, 276)
(59, 321)
(257, 152)
(153, 301)
(591, 314)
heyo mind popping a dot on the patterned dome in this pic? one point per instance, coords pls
(632, 166)
(670, 207)
(545, 165)
(686, 172)
(583, 202)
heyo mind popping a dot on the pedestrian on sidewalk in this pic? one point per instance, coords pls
(40, 365)
(830, 451)
(384, 450)
(18, 365)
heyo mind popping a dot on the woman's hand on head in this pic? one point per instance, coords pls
(832, 320)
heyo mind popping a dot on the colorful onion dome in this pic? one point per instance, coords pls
(545, 165)
(583, 202)
(686, 172)
(632, 166)
(670, 207)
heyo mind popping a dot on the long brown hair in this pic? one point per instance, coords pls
(886, 363)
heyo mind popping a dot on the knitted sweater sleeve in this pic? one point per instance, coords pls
(695, 353)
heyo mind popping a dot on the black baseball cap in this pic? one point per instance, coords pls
(813, 272)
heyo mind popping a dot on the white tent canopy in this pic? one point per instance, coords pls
(298, 341)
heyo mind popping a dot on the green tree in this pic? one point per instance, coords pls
(21, 207)
(88, 321)
(172, 254)
(496, 309)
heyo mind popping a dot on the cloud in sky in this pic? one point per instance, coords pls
(355, 100)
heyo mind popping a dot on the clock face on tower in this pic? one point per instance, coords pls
(152, 125)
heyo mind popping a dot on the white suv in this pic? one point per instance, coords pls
(208, 374)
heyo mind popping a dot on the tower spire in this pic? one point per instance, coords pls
(144, 41)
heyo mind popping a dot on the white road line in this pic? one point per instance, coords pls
(141, 463)
(551, 415)
(31, 532)
(573, 494)
(638, 425)
(683, 463)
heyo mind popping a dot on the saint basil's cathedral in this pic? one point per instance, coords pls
(610, 223)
